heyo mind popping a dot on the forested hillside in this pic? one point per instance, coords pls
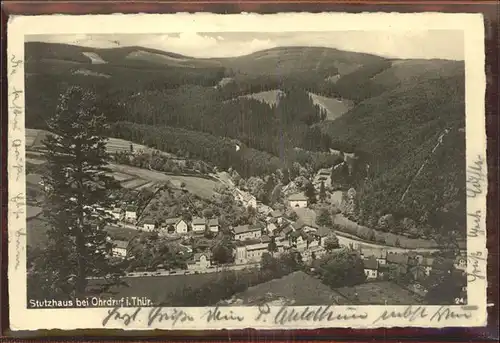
(203, 108)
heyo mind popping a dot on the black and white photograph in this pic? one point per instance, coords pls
(221, 169)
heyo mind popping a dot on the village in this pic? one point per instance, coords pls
(274, 233)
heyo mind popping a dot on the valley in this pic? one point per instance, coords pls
(221, 162)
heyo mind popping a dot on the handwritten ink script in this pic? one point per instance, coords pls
(155, 315)
(286, 314)
(476, 177)
(413, 313)
(18, 202)
(478, 262)
(476, 229)
(16, 110)
(16, 63)
(217, 314)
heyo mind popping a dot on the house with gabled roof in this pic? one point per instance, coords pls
(120, 248)
(297, 200)
(198, 225)
(177, 225)
(370, 267)
(213, 225)
(243, 232)
(379, 254)
(147, 223)
(398, 259)
(200, 261)
(275, 216)
(131, 213)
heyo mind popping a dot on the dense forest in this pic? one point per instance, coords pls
(194, 108)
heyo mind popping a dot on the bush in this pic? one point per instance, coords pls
(341, 269)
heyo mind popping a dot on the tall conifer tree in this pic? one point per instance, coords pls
(77, 187)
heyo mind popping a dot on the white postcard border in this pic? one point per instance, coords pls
(22, 318)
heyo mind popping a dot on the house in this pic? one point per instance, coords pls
(250, 251)
(276, 216)
(120, 248)
(305, 225)
(297, 200)
(240, 255)
(379, 254)
(213, 225)
(246, 199)
(265, 239)
(371, 268)
(148, 226)
(198, 225)
(116, 213)
(200, 262)
(282, 245)
(271, 226)
(398, 259)
(321, 234)
(177, 225)
(243, 232)
(313, 253)
(131, 213)
(323, 176)
(255, 251)
(427, 263)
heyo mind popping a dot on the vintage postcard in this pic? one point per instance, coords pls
(206, 171)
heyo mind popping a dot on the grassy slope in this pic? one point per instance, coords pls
(289, 60)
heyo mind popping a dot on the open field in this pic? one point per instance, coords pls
(379, 293)
(122, 177)
(134, 183)
(34, 138)
(334, 108)
(269, 97)
(202, 187)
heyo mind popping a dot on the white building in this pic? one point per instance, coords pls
(298, 200)
(177, 225)
(379, 254)
(120, 249)
(200, 262)
(198, 224)
(244, 232)
(131, 213)
(213, 225)
(371, 268)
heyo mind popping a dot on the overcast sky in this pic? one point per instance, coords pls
(422, 44)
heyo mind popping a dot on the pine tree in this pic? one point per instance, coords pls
(310, 193)
(77, 194)
(322, 192)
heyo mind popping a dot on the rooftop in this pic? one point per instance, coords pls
(198, 221)
(370, 263)
(121, 244)
(297, 197)
(245, 228)
(276, 214)
(377, 253)
(213, 222)
(172, 221)
(397, 258)
(131, 208)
